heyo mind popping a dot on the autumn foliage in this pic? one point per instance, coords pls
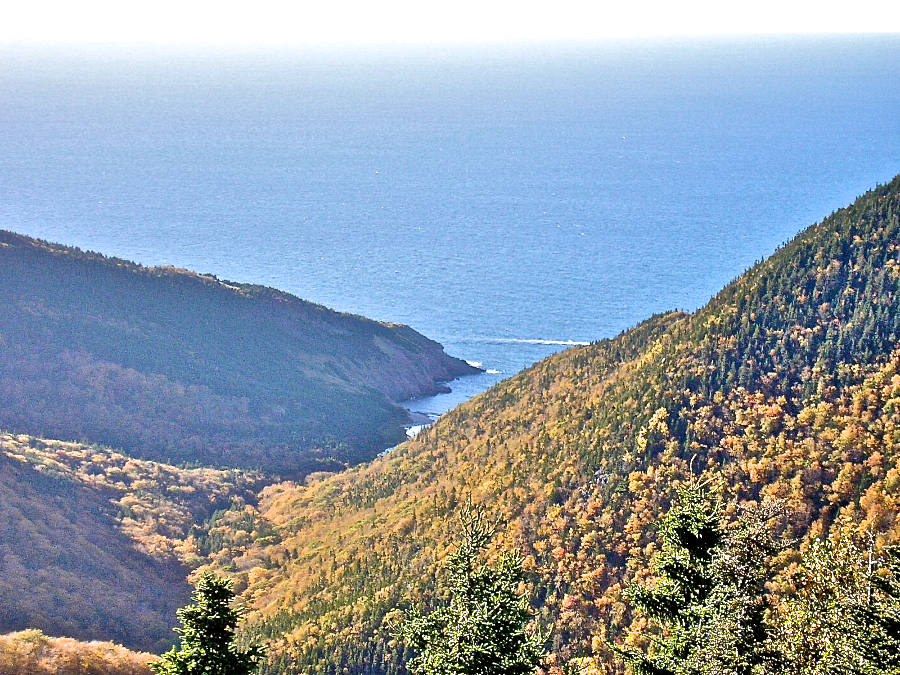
(784, 388)
(30, 652)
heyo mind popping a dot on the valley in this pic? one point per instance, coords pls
(785, 386)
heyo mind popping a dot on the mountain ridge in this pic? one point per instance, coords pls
(180, 366)
(783, 386)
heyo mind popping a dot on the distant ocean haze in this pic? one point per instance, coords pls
(503, 201)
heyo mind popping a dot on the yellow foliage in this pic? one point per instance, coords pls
(34, 653)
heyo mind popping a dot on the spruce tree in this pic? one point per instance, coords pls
(207, 635)
(484, 628)
(689, 535)
(707, 605)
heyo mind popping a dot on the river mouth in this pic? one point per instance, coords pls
(426, 410)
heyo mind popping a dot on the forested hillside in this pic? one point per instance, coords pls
(97, 545)
(785, 385)
(170, 365)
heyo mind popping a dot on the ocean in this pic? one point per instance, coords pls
(507, 201)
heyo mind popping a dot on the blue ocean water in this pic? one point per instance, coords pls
(505, 201)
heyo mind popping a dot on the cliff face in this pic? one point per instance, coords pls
(786, 385)
(172, 365)
(398, 370)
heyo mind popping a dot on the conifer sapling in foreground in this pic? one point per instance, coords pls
(207, 635)
(709, 602)
(484, 629)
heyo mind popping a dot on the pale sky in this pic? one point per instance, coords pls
(306, 23)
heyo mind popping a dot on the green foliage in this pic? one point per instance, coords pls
(881, 615)
(690, 535)
(207, 635)
(712, 617)
(707, 605)
(738, 638)
(785, 386)
(484, 628)
(844, 617)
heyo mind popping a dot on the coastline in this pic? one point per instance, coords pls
(425, 410)
(496, 360)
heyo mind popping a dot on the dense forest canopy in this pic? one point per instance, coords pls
(30, 652)
(96, 545)
(784, 386)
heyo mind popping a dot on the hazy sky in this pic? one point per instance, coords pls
(304, 22)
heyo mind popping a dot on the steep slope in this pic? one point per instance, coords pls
(96, 545)
(175, 366)
(787, 384)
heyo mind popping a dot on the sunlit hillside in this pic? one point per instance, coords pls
(97, 545)
(33, 653)
(786, 384)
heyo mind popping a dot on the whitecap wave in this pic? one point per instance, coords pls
(527, 341)
(492, 371)
(475, 364)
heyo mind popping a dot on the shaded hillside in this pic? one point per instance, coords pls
(178, 367)
(96, 545)
(33, 653)
(787, 384)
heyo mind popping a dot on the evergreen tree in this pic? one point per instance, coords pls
(484, 628)
(735, 637)
(707, 605)
(207, 635)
